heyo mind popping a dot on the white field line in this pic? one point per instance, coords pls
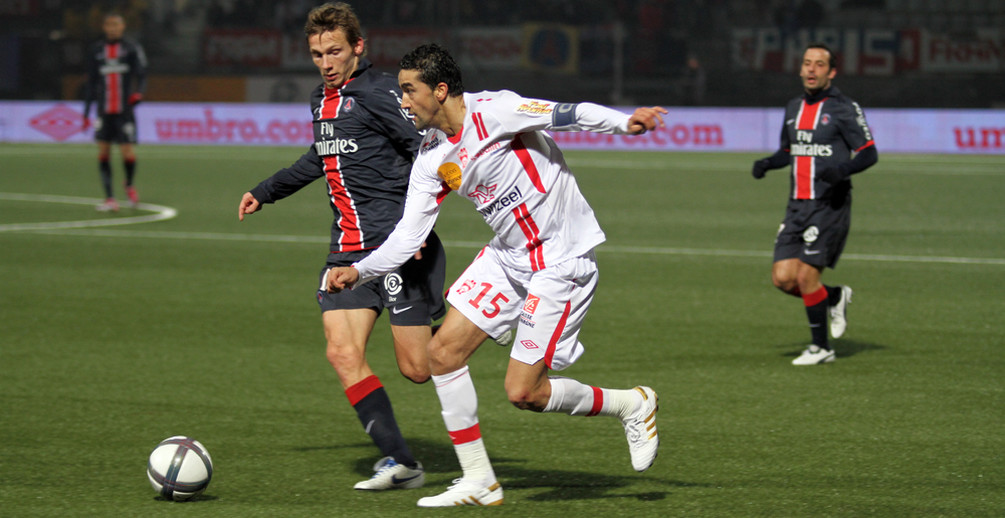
(160, 212)
(640, 250)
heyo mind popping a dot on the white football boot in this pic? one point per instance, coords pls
(640, 429)
(814, 355)
(839, 313)
(391, 475)
(464, 492)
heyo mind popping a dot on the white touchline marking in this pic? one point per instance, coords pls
(160, 212)
(650, 250)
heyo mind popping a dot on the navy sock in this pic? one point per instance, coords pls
(833, 295)
(373, 408)
(130, 166)
(816, 313)
(105, 168)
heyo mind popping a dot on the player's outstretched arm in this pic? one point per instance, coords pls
(249, 205)
(340, 278)
(646, 119)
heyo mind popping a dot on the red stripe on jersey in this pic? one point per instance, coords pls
(456, 138)
(480, 126)
(549, 355)
(362, 389)
(113, 82)
(804, 167)
(867, 144)
(534, 244)
(466, 435)
(528, 163)
(804, 171)
(440, 196)
(598, 402)
(348, 221)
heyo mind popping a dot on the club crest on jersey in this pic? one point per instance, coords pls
(825, 119)
(483, 193)
(450, 173)
(466, 287)
(348, 104)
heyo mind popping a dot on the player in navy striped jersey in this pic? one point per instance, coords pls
(825, 139)
(116, 80)
(363, 148)
(539, 272)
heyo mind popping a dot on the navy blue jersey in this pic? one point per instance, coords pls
(364, 145)
(819, 132)
(115, 70)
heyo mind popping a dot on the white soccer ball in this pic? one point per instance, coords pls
(179, 468)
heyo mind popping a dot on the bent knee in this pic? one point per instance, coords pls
(527, 399)
(343, 357)
(415, 373)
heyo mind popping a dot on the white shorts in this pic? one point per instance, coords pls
(547, 307)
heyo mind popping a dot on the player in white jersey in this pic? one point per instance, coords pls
(538, 275)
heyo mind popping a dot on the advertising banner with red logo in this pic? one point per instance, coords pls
(687, 129)
(242, 47)
(871, 52)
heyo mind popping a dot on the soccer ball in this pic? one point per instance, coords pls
(179, 468)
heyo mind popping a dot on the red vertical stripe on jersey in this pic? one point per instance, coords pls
(466, 435)
(598, 402)
(528, 163)
(113, 81)
(804, 166)
(348, 221)
(549, 355)
(529, 227)
(480, 126)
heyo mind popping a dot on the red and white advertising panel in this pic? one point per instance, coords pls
(490, 48)
(871, 52)
(242, 47)
(687, 129)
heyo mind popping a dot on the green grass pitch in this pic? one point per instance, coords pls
(113, 338)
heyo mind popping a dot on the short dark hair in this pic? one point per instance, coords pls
(823, 46)
(435, 66)
(330, 17)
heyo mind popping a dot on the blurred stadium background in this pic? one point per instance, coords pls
(895, 53)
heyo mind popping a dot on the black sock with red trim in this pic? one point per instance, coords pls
(816, 313)
(373, 408)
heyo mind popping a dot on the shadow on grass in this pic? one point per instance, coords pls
(438, 458)
(580, 485)
(844, 348)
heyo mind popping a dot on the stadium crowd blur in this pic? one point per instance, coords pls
(696, 52)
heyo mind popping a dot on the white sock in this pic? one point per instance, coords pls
(459, 404)
(575, 398)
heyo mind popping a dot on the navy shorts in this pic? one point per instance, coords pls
(117, 127)
(814, 231)
(413, 293)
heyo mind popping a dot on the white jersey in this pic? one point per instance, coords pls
(517, 178)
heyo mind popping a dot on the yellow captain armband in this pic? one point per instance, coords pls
(450, 173)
